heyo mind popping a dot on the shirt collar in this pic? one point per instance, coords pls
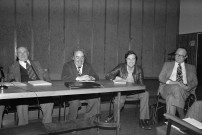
(78, 67)
(182, 64)
(23, 62)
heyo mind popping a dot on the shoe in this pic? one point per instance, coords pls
(145, 124)
(142, 123)
(148, 124)
(109, 118)
(74, 132)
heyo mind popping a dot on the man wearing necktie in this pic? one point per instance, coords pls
(24, 70)
(79, 70)
(177, 80)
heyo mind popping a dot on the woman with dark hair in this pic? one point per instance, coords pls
(131, 72)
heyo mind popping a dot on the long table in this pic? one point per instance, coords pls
(59, 89)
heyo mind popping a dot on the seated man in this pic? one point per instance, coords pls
(79, 70)
(131, 72)
(24, 70)
(177, 80)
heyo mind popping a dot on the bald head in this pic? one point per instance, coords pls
(180, 55)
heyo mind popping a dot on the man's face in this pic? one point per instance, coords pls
(78, 58)
(180, 55)
(131, 60)
(22, 54)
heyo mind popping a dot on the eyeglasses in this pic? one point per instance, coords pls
(179, 55)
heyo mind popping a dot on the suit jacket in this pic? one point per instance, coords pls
(121, 71)
(167, 71)
(69, 72)
(14, 71)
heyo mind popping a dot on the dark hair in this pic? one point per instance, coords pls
(129, 53)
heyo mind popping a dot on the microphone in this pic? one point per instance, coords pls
(2, 79)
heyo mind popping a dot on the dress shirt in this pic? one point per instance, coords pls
(23, 64)
(173, 76)
(81, 69)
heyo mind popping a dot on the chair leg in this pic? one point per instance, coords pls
(64, 111)
(59, 113)
(110, 107)
(157, 105)
(38, 114)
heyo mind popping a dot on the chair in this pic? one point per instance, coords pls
(63, 103)
(187, 127)
(129, 99)
(161, 104)
(10, 108)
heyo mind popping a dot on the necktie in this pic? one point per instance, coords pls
(179, 74)
(30, 71)
(79, 70)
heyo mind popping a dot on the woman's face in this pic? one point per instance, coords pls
(131, 60)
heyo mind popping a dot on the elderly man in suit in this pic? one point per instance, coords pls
(79, 70)
(24, 70)
(177, 81)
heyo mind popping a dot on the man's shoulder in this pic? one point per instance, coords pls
(34, 61)
(16, 63)
(189, 65)
(169, 62)
(86, 64)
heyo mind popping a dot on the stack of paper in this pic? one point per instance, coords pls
(193, 122)
(39, 83)
(119, 82)
(14, 84)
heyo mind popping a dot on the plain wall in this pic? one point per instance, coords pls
(190, 16)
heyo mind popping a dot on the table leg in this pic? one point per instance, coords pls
(169, 127)
(98, 112)
(118, 114)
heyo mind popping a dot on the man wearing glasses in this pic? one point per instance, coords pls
(177, 81)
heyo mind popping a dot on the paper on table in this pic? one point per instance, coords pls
(119, 82)
(86, 81)
(14, 84)
(193, 122)
(39, 83)
(8, 84)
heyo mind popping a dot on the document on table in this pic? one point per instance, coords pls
(40, 83)
(193, 122)
(119, 82)
(14, 84)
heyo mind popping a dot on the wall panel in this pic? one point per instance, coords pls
(97, 46)
(159, 36)
(148, 37)
(111, 35)
(71, 27)
(52, 29)
(136, 28)
(123, 28)
(7, 23)
(85, 27)
(41, 32)
(56, 36)
(172, 26)
(24, 24)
